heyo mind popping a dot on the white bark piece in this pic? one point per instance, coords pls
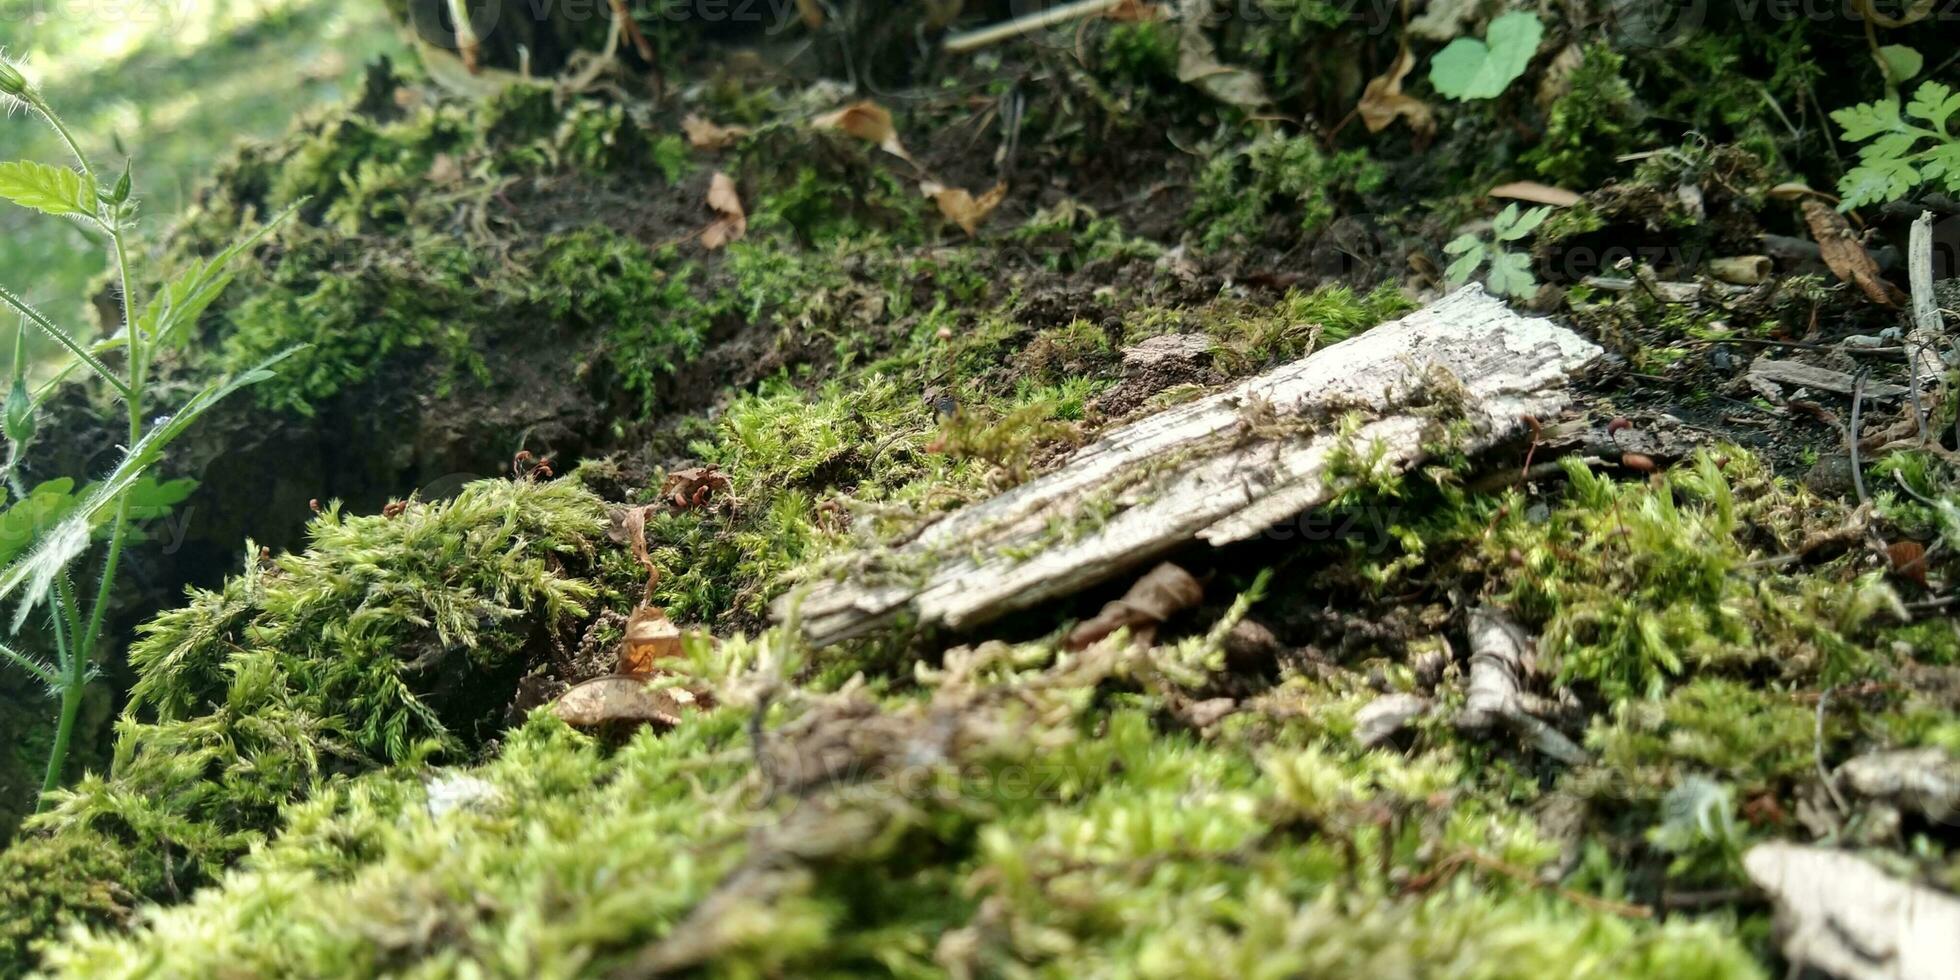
(1381, 719)
(1218, 470)
(1838, 913)
(1928, 335)
(1499, 653)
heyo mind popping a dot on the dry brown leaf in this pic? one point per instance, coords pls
(649, 636)
(706, 134)
(1162, 593)
(695, 486)
(1383, 101)
(618, 702)
(1535, 193)
(868, 121)
(1134, 11)
(1557, 78)
(812, 13)
(1791, 190)
(1198, 64)
(961, 207)
(634, 522)
(1847, 259)
(733, 223)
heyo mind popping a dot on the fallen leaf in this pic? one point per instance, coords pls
(617, 702)
(706, 134)
(1134, 11)
(733, 223)
(1536, 193)
(1556, 80)
(1198, 64)
(1383, 101)
(1443, 20)
(1162, 593)
(961, 207)
(1908, 560)
(649, 636)
(634, 522)
(1791, 190)
(694, 486)
(1847, 259)
(812, 13)
(868, 121)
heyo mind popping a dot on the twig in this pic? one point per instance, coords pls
(1924, 338)
(1008, 30)
(1817, 749)
(1851, 442)
(1451, 864)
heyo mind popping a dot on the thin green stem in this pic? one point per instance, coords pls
(76, 658)
(71, 703)
(54, 121)
(31, 665)
(62, 337)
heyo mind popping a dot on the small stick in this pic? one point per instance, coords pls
(1817, 746)
(1007, 30)
(1851, 440)
(1923, 340)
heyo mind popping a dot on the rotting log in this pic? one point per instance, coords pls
(1225, 468)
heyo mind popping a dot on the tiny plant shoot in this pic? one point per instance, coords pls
(101, 520)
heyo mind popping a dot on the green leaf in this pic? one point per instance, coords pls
(1943, 163)
(1862, 122)
(1510, 275)
(42, 508)
(1901, 62)
(1875, 180)
(1463, 243)
(1935, 103)
(33, 576)
(1472, 69)
(1511, 226)
(176, 306)
(1463, 268)
(52, 190)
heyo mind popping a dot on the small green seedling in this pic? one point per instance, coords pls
(105, 512)
(1901, 155)
(1472, 69)
(1510, 272)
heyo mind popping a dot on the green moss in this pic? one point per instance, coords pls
(354, 314)
(642, 299)
(391, 639)
(1242, 191)
(1638, 584)
(1142, 53)
(1594, 123)
(1028, 840)
(78, 877)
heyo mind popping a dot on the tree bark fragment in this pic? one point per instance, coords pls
(1223, 469)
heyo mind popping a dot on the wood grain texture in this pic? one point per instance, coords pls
(1225, 468)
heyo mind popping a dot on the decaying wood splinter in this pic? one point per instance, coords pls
(1226, 468)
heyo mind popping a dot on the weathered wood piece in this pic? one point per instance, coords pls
(1800, 375)
(1225, 468)
(1840, 914)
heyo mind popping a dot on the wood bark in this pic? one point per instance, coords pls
(1222, 469)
